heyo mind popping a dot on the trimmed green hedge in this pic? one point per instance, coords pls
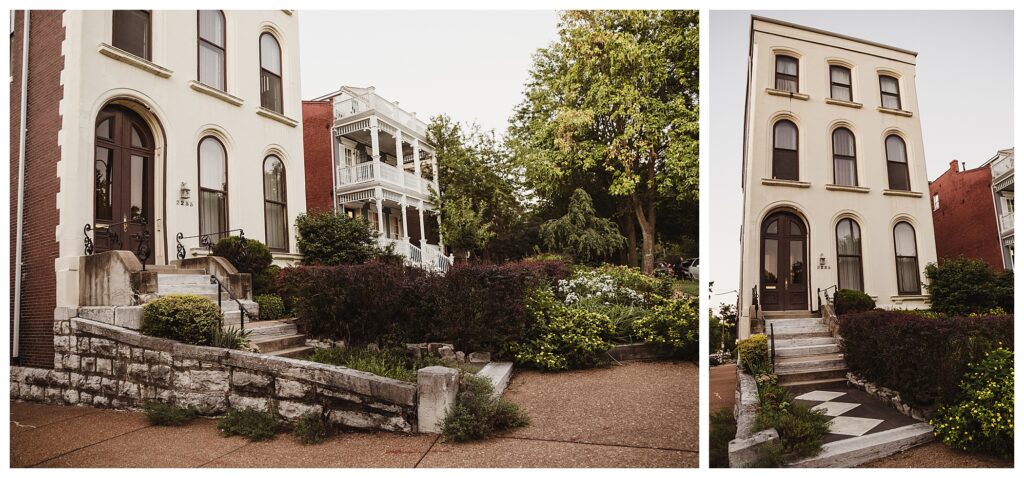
(186, 318)
(753, 354)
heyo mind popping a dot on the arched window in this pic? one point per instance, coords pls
(133, 32)
(890, 89)
(842, 83)
(907, 280)
(213, 187)
(787, 73)
(275, 203)
(784, 151)
(212, 57)
(844, 157)
(848, 255)
(896, 163)
(271, 96)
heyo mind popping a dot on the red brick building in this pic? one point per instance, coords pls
(964, 215)
(317, 118)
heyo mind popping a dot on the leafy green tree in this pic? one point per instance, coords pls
(330, 238)
(963, 286)
(616, 96)
(581, 232)
(463, 228)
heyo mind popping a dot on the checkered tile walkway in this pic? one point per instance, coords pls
(854, 413)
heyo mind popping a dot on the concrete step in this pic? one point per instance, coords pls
(268, 329)
(283, 342)
(499, 373)
(855, 451)
(206, 288)
(798, 332)
(788, 314)
(809, 362)
(182, 279)
(800, 342)
(804, 322)
(803, 377)
(173, 270)
(294, 352)
(818, 382)
(805, 350)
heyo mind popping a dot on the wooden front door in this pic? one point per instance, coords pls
(783, 262)
(123, 183)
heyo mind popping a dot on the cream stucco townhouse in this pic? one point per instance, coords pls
(150, 132)
(834, 178)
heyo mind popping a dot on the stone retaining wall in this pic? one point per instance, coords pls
(889, 397)
(105, 365)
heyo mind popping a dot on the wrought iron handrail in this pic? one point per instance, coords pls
(771, 329)
(756, 302)
(204, 241)
(827, 298)
(142, 251)
(243, 312)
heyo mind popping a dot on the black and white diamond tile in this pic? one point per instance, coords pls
(853, 426)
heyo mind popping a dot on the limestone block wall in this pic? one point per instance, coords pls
(106, 365)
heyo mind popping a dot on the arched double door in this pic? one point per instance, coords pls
(783, 262)
(123, 182)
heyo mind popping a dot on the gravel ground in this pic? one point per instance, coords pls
(937, 455)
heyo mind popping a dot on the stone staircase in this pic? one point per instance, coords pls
(273, 337)
(805, 351)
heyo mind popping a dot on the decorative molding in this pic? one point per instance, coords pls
(785, 182)
(280, 118)
(852, 189)
(895, 112)
(136, 61)
(788, 94)
(848, 104)
(214, 92)
(909, 194)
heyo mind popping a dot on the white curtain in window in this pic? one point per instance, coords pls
(895, 149)
(840, 75)
(905, 244)
(786, 65)
(785, 135)
(270, 54)
(211, 66)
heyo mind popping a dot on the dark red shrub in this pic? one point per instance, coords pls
(923, 358)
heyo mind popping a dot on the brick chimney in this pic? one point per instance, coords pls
(954, 166)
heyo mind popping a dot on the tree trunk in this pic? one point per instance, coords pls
(647, 221)
(630, 226)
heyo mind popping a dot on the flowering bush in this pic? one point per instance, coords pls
(982, 421)
(673, 323)
(562, 337)
(597, 286)
(753, 353)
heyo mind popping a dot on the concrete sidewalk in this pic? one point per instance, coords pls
(639, 414)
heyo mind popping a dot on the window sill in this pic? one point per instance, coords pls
(785, 182)
(895, 112)
(136, 61)
(909, 297)
(852, 189)
(214, 92)
(848, 104)
(895, 192)
(788, 94)
(280, 118)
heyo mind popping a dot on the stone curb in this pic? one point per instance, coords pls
(859, 450)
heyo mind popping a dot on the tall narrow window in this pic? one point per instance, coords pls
(906, 259)
(842, 86)
(787, 73)
(271, 96)
(212, 60)
(844, 157)
(275, 203)
(132, 32)
(848, 255)
(213, 188)
(890, 88)
(784, 155)
(896, 162)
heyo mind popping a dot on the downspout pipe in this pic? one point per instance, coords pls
(19, 239)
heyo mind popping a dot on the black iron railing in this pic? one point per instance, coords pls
(771, 336)
(243, 312)
(756, 302)
(828, 298)
(205, 241)
(143, 250)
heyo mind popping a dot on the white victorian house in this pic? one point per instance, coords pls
(834, 176)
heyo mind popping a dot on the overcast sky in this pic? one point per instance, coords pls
(470, 65)
(964, 87)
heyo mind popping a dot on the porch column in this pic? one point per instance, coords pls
(440, 238)
(423, 229)
(433, 167)
(378, 194)
(400, 161)
(375, 146)
(405, 224)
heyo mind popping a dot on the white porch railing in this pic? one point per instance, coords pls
(355, 174)
(1006, 222)
(415, 254)
(363, 172)
(346, 107)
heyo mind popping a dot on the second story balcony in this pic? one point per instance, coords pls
(378, 143)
